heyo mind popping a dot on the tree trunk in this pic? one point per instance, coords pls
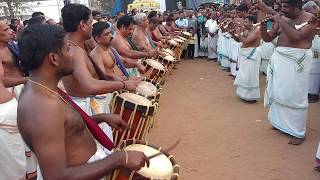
(10, 8)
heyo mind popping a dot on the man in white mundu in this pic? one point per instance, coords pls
(212, 29)
(247, 80)
(288, 71)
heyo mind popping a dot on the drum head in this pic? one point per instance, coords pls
(169, 58)
(186, 33)
(135, 99)
(146, 88)
(168, 51)
(155, 64)
(160, 166)
(182, 38)
(178, 40)
(173, 42)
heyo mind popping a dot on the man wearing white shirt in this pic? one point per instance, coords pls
(212, 28)
(182, 22)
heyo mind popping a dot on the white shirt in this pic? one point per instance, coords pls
(212, 25)
(182, 23)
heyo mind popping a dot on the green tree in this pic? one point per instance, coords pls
(12, 8)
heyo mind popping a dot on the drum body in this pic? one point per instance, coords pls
(187, 35)
(162, 167)
(155, 71)
(149, 90)
(168, 61)
(137, 111)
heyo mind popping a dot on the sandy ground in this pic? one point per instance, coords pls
(223, 138)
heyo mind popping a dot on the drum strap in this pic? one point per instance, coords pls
(133, 46)
(92, 125)
(117, 60)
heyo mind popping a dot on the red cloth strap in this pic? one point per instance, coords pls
(92, 125)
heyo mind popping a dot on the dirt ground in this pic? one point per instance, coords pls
(223, 138)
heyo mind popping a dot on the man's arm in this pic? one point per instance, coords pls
(48, 142)
(13, 81)
(268, 36)
(293, 34)
(251, 37)
(125, 51)
(94, 86)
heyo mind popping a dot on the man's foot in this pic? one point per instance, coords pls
(317, 168)
(313, 98)
(296, 141)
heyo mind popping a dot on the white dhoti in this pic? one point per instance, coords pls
(99, 155)
(96, 105)
(224, 52)
(287, 90)
(266, 53)
(13, 158)
(314, 77)
(247, 80)
(203, 50)
(212, 46)
(235, 47)
(219, 45)
(196, 46)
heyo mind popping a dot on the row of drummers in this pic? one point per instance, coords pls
(138, 109)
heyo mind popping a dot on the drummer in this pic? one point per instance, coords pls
(121, 44)
(140, 36)
(107, 58)
(56, 132)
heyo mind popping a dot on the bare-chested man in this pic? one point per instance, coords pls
(247, 79)
(13, 75)
(140, 35)
(56, 132)
(12, 147)
(288, 70)
(120, 41)
(107, 58)
(88, 79)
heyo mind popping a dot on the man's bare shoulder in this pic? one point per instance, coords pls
(38, 111)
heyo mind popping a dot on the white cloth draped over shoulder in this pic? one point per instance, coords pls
(13, 158)
(287, 89)
(247, 80)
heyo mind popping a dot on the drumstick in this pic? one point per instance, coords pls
(166, 150)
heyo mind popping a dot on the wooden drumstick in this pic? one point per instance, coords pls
(166, 150)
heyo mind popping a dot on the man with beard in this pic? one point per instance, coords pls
(288, 70)
(107, 58)
(60, 133)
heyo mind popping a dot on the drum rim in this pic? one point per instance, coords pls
(175, 165)
(131, 106)
(154, 96)
(147, 64)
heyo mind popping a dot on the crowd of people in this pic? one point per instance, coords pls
(53, 68)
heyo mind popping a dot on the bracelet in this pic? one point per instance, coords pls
(124, 84)
(127, 157)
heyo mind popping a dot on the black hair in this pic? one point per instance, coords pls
(72, 14)
(36, 20)
(152, 14)
(94, 13)
(36, 42)
(13, 27)
(118, 13)
(294, 3)
(242, 7)
(98, 28)
(252, 18)
(37, 13)
(25, 22)
(13, 21)
(153, 21)
(125, 21)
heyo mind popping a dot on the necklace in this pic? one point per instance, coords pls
(50, 90)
